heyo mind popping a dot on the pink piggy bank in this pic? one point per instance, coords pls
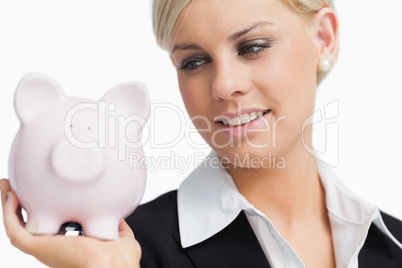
(70, 160)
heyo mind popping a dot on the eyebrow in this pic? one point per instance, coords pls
(231, 38)
(247, 29)
(184, 47)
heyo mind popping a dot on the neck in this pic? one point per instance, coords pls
(287, 196)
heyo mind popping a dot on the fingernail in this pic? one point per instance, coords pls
(6, 197)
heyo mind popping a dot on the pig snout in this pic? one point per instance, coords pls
(76, 164)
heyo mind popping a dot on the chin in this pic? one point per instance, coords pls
(249, 157)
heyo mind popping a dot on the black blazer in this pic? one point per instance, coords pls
(155, 226)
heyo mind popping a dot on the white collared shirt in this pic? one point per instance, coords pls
(208, 201)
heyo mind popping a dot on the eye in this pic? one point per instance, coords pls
(193, 63)
(254, 49)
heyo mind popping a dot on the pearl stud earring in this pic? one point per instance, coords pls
(324, 65)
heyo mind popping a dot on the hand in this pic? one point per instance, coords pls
(65, 251)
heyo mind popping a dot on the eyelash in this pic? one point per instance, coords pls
(262, 48)
(185, 65)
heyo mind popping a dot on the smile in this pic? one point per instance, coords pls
(244, 118)
(240, 117)
(244, 124)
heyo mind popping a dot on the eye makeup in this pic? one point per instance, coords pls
(250, 49)
(253, 49)
(193, 63)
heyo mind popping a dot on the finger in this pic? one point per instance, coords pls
(125, 230)
(55, 251)
(5, 188)
(127, 240)
(4, 184)
(15, 230)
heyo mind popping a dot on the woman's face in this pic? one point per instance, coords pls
(243, 58)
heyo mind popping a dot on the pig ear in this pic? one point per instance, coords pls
(132, 98)
(33, 92)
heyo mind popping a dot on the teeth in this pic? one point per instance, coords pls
(253, 116)
(242, 119)
(245, 118)
(236, 121)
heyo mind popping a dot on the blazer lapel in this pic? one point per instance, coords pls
(234, 246)
(378, 251)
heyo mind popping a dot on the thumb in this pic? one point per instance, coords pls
(125, 230)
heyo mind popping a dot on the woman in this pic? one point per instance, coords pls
(250, 70)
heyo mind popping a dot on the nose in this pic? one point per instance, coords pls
(77, 165)
(230, 80)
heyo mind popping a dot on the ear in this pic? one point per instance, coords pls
(33, 92)
(326, 25)
(132, 98)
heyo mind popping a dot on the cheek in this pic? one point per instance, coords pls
(292, 78)
(188, 95)
(195, 97)
(288, 81)
(303, 84)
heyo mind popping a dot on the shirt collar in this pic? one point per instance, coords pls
(208, 201)
(206, 204)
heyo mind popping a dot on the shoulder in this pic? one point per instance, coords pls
(163, 205)
(393, 224)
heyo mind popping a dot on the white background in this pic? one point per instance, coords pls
(90, 46)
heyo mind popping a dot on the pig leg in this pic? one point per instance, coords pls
(41, 224)
(102, 228)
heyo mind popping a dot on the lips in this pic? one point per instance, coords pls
(241, 117)
(239, 129)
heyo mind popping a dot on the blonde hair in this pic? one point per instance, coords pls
(166, 12)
